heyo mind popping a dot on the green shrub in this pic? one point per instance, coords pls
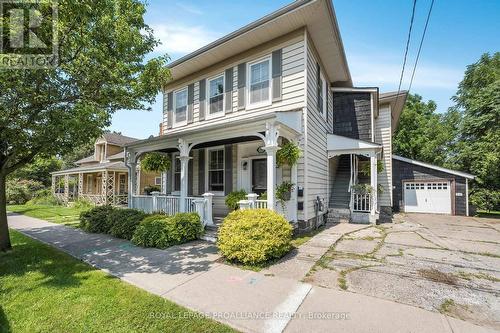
(83, 204)
(162, 231)
(96, 219)
(254, 236)
(184, 227)
(20, 191)
(44, 197)
(485, 199)
(152, 232)
(124, 222)
(233, 198)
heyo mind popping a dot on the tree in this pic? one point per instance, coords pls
(101, 69)
(423, 134)
(478, 145)
(39, 170)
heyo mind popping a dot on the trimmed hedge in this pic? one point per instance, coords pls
(254, 236)
(96, 220)
(162, 231)
(124, 222)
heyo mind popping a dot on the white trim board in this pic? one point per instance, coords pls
(435, 167)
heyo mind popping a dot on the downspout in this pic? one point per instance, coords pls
(466, 197)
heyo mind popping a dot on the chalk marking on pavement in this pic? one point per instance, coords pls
(286, 309)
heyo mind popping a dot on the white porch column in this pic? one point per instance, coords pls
(131, 163)
(184, 158)
(272, 135)
(66, 188)
(373, 182)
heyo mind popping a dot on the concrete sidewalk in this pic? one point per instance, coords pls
(191, 275)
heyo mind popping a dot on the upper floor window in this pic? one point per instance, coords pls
(216, 170)
(215, 95)
(180, 106)
(260, 82)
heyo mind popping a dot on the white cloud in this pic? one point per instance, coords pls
(375, 72)
(177, 38)
(188, 8)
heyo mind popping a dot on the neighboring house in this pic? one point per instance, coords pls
(101, 178)
(231, 104)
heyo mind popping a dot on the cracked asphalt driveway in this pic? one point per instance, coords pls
(449, 264)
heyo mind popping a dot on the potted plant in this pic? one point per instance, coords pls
(155, 162)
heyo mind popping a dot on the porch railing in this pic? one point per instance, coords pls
(361, 202)
(252, 202)
(171, 205)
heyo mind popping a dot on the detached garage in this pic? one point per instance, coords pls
(425, 188)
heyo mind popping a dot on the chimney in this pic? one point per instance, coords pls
(161, 128)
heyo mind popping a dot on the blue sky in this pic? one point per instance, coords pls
(374, 33)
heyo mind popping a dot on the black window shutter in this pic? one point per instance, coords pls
(190, 103)
(203, 91)
(228, 81)
(201, 171)
(170, 109)
(277, 74)
(228, 169)
(242, 81)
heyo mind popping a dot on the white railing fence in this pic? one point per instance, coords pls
(252, 202)
(361, 202)
(170, 205)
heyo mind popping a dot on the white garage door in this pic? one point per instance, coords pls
(427, 197)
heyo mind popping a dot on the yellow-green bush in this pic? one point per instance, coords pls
(254, 236)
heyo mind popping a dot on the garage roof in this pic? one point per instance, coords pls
(435, 167)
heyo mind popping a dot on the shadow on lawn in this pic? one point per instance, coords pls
(28, 256)
(121, 257)
(4, 322)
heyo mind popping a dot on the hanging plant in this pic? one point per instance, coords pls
(288, 154)
(155, 162)
(365, 168)
(284, 192)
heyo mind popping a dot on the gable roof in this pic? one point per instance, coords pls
(317, 15)
(118, 139)
(87, 159)
(397, 103)
(434, 167)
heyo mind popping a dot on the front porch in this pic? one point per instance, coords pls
(353, 168)
(208, 165)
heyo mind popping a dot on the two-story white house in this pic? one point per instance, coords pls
(231, 104)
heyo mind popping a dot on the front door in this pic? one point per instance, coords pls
(259, 176)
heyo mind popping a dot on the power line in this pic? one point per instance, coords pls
(420, 46)
(406, 50)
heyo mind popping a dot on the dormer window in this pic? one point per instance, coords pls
(180, 107)
(216, 96)
(260, 82)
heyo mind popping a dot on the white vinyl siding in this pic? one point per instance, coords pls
(383, 137)
(317, 163)
(293, 83)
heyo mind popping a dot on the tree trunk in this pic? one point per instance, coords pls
(4, 229)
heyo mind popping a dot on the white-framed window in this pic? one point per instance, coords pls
(259, 82)
(215, 100)
(158, 181)
(215, 169)
(176, 173)
(180, 107)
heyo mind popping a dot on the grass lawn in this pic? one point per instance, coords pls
(57, 214)
(45, 290)
(491, 214)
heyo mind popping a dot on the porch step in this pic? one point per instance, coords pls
(339, 215)
(210, 235)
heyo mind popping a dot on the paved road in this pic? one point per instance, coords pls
(191, 275)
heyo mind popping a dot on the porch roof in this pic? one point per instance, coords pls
(113, 166)
(338, 145)
(290, 123)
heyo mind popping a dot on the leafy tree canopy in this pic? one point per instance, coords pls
(47, 112)
(39, 170)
